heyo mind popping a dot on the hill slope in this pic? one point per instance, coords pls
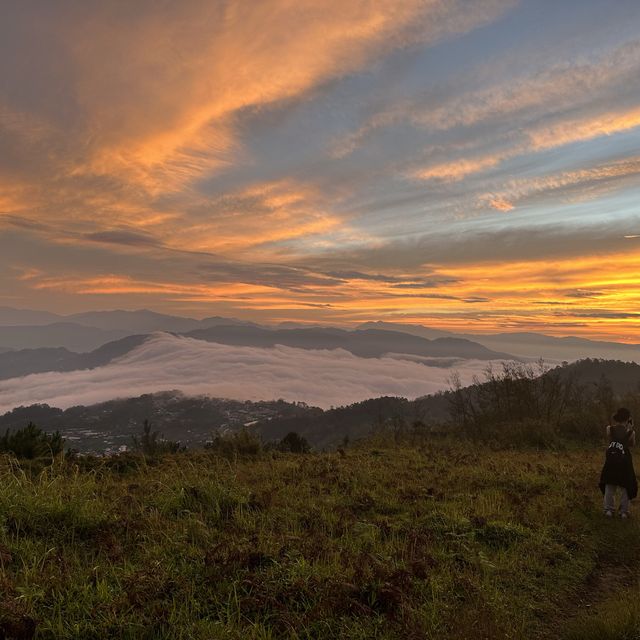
(437, 540)
(27, 361)
(69, 335)
(80, 332)
(576, 400)
(369, 344)
(527, 344)
(192, 421)
(366, 343)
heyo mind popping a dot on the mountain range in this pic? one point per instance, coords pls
(138, 321)
(85, 341)
(527, 344)
(366, 343)
(84, 332)
(23, 362)
(81, 332)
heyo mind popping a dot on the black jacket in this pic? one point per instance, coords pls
(618, 464)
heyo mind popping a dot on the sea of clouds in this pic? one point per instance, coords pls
(165, 362)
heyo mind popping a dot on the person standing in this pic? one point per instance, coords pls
(618, 472)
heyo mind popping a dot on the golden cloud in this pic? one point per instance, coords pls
(161, 90)
(458, 169)
(567, 184)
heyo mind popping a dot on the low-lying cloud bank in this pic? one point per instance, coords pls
(195, 367)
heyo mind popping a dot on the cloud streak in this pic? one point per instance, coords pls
(321, 161)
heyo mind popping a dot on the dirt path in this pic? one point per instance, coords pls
(606, 608)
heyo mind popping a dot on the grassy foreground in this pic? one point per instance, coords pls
(436, 540)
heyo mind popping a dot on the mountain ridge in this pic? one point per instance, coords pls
(26, 328)
(368, 344)
(24, 362)
(530, 344)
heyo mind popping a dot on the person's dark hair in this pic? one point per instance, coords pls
(622, 415)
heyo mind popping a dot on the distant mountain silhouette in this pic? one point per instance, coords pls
(23, 362)
(68, 335)
(527, 344)
(366, 343)
(215, 321)
(444, 352)
(81, 332)
(21, 332)
(412, 329)
(145, 321)
(142, 321)
(537, 345)
(14, 317)
(14, 364)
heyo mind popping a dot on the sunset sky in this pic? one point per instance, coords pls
(471, 165)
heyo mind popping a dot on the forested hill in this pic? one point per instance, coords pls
(331, 427)
(575, 399)
(108, 425)
(623, 377)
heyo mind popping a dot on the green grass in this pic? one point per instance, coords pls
(441, 540)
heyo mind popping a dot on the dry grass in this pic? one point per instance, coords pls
(433, 540)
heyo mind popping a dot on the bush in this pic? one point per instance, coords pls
(233, 444)
(527, 432)
(534, 405)
(31, 443)
(151, 443)
(294, 443)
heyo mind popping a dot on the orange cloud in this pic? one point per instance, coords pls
(458, 169)
(257, 215)
(162, 120)
(501, 204)
(577, 184)
(584, 128)
(112, 284)
(595, 295)
(160, 104)
(158, 98)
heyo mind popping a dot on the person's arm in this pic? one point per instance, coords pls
(632, 438)
(608, 432)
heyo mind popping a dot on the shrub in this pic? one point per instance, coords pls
(533, 404)
(151, 443)
(294, 443)
(235, 443)
(31, 443)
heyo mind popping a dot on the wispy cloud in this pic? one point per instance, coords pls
(123, 237)
(550, 107)
(155, 119)
(456, 170)
(321, 161)
(573, 185)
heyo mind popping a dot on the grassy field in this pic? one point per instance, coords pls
(433, 540)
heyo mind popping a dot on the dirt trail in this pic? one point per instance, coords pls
(612, 582)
